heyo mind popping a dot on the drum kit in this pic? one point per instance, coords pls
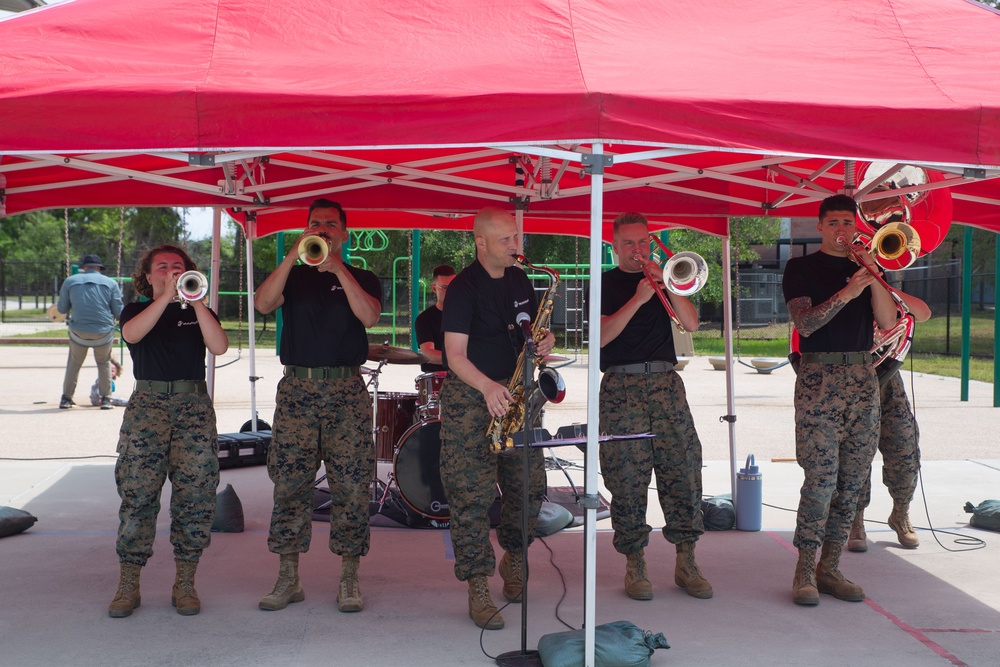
(407, 432)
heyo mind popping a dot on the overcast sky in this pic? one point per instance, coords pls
(199, 223)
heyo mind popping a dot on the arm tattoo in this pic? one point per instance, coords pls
(809, 319)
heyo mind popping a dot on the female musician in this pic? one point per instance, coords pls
(168, 429)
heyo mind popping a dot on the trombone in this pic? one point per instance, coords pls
(892, 344)
(684, 274)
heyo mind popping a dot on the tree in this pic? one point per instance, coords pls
(747, 232)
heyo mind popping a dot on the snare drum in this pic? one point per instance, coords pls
(417, 470)
(428, 390)
(396, 412)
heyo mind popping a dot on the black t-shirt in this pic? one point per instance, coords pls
(819, 276)
(648, 336)
(428, 326)
(174, 348)
(486, 309)
(320, 329)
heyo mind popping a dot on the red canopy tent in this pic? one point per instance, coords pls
(248, 104)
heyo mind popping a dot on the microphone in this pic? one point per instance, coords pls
(524, 320)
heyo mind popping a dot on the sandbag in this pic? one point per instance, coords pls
(552, 518)
(617, 644)
(14, 521)
(228, 512)
(985, 515)
(719, 513)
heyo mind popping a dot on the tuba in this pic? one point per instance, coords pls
(548, 387)
(684, 274)
(191, 286)
(897, 229)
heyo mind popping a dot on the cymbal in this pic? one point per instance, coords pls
(395, 355)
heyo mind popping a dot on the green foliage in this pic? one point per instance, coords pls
(747, 231)
(41, 235)
(984, 245)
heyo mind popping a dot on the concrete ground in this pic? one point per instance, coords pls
(939, 604)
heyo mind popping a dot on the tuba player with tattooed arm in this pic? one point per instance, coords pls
(482, 343)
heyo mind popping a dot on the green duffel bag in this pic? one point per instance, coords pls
(985, 515)
(618, 644)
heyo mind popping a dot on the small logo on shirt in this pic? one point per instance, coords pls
(335, 288)
(518, 304)
(181, 323)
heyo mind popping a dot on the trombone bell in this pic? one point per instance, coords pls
(685, 273)
(313, 250)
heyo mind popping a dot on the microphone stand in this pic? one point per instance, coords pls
(524, 657)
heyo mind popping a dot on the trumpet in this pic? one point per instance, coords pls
(313, 250)
(191, 286)
(684, 274)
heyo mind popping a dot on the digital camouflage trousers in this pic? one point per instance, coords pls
(470, 473)
(836, 432)
(327, 421)
(166, 436)
(899, 442)
(656, 403)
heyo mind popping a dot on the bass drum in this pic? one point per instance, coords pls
(417, 470)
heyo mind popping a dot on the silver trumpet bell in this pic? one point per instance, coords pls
(191, 286)
(685, 273)
(313, 250)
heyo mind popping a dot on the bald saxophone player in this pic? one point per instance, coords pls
(482, 342)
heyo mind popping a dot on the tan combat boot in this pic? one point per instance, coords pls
(687, 575)
(482, 611)
(512, 573)
(858, 541)
(804, 589)
(829, 579)
(899, 521)
(127, 596)
(286, 588)
(349, 594)
(184, 596)
(637, 584)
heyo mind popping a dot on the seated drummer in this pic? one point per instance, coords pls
(430, 338)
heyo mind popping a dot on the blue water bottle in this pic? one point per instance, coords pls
(749, 496)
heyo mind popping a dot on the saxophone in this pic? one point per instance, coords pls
(548, 387)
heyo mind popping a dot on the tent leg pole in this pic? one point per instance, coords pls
(593, 407)
(727, 310)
